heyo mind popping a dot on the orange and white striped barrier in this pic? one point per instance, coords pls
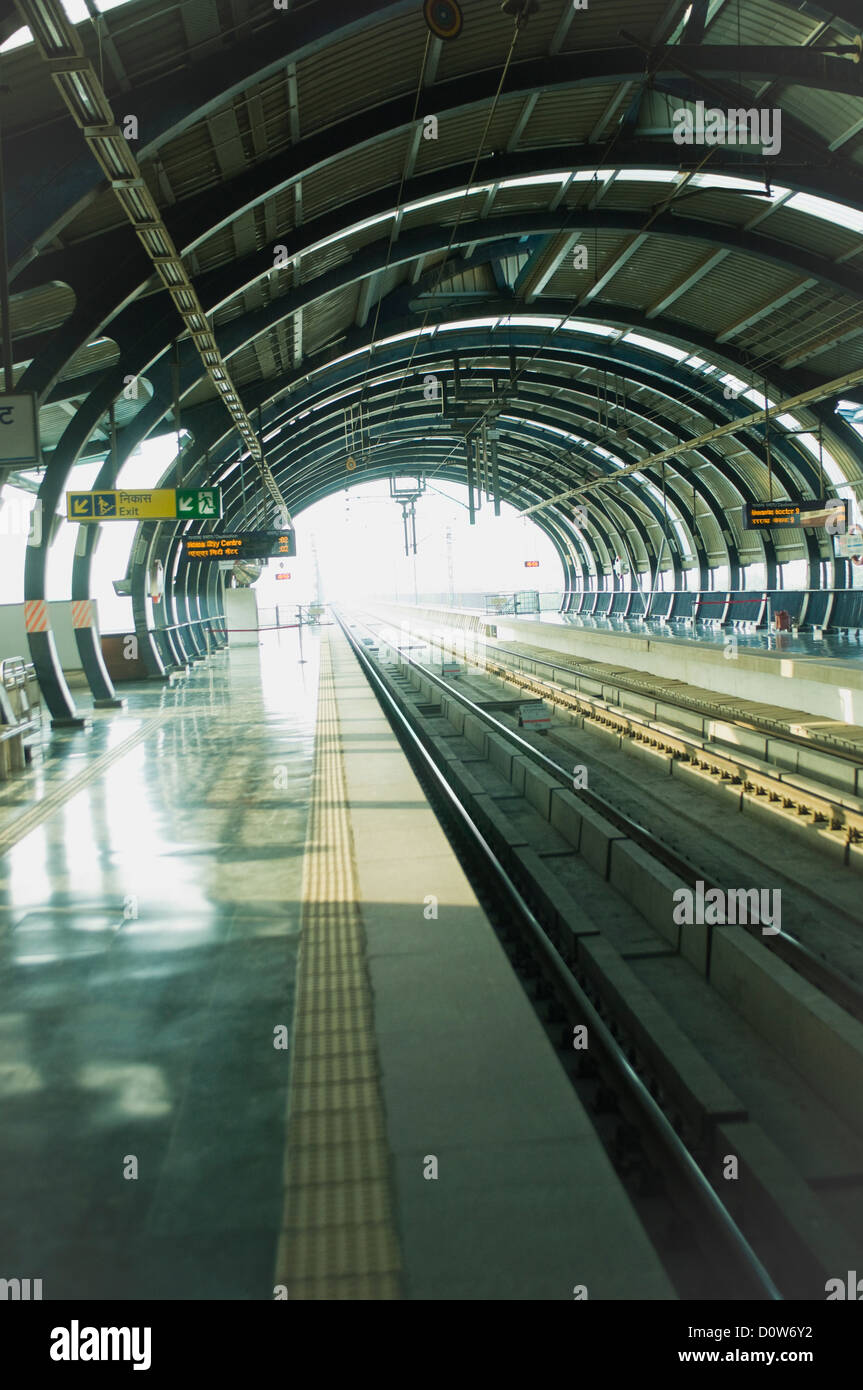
(36, 615)
(82, 612)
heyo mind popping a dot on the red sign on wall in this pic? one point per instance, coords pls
(531, 564)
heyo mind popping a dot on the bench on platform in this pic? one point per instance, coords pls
(18, 715)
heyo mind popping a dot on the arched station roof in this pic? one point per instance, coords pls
(399, 242)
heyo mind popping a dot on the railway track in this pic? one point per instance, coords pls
(574, 972)
(754, 753)
(836, 982)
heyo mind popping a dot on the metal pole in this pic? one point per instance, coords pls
(176, 376)
(8, 381)
(485, 478)
(469, 449)
(300, 630)
(495, 484)
(112, 417)
(767, 445)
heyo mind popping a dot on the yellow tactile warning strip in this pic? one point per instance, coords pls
(339, 1238)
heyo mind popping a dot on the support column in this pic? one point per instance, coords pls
(182, 603)
(147, 649)
(83, 621)
(468, 444)
(40, 638)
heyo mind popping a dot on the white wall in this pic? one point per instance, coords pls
(241, 614)
(13, 635)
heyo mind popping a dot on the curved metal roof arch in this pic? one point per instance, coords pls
(342, 187)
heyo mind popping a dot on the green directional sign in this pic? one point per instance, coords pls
(199, 502)
(154, 504)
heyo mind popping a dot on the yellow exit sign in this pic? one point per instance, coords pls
(153, 504)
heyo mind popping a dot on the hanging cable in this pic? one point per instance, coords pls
(76, 79)
(520, 18)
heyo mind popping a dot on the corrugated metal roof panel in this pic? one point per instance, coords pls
(94, 357)
(152, 39)
(635, 196)
(40, 309)
(361, 71)
(657, 266)
(363, 172)
(830, 113)
(566, 117)
(734, 207)
(459, 137)
(487, 35)
(847, 357)
(190, 162)
(337, 253)
(804, 321)
(266, 111)
(812, 233)
(568, 282)
(599, 26)
(738, 285)
(216, 250)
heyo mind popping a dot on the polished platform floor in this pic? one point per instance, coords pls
(149, 926)
(243, 856)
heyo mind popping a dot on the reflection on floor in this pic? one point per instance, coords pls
(149, 918)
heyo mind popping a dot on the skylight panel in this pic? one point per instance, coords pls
(584, 326)
(535, 179)
(528, 321)
(445, 198)
(586, 175)
(831, 467)
(730, 181)
(827, 211)
(460, 324)
(646, 175)
(400, 337)
(758, 398)
(653, 345)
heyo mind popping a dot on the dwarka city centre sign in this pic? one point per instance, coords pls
(241, 545)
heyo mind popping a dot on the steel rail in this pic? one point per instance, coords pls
(709, 1205)
(787, 947)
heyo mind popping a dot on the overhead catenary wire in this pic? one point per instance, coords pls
(443, 263)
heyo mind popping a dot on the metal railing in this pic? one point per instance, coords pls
(18, 679)
(194, 647)
(807, 609)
